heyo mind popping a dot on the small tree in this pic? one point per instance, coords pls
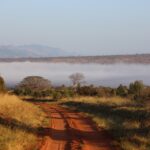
(122, 90)
(76, 78)
(136, 88)
(2, 84)
(35, 86)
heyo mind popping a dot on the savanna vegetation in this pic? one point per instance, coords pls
(34, 86)
(20, 122)
(124, 112)
(127, 121)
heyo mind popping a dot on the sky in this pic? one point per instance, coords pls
(89, 27)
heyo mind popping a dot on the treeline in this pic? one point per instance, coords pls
(136, 91)
(40, 87)
(36, 86)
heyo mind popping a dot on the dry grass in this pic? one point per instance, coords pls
(19, 122)
(126, 120)
(101, 100)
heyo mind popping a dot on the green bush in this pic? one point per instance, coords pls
(2, 85)
(136, 88)
(62, 92)
(56, 95)
(122, 91)
(87, 90)
(96, 91)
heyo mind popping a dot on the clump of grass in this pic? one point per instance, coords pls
(19, 123)
(127, 121)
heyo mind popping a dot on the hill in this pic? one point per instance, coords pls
(11, 51)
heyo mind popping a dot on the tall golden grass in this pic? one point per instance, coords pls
(19, 121)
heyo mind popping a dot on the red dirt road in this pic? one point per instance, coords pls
(70, 130)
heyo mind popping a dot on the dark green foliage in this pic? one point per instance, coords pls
(146, 93)
(106, 92)
(39, 87)
(62, 92)
(56, 95)
(87, 90)
(95, 91)
(2, 85)
(122, 91)
(136, 88)
(136, 91)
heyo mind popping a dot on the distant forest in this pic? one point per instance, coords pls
(129, 59)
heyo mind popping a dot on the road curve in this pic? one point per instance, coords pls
(69, 130)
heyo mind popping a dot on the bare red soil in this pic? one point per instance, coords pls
(69, 130)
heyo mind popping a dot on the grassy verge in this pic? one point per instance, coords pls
(128, 122)
(19, 123)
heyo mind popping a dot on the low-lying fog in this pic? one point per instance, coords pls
(97, 74)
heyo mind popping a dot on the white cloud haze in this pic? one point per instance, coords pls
(108, 75)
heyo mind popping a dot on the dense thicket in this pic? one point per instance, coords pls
(135, 91)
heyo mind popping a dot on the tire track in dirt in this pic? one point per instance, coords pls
(70, 130)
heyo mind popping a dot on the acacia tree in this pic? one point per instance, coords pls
(34, 85)
(76, 78)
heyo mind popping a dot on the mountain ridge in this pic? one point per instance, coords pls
(17, 51)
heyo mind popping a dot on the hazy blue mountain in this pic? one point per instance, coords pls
(11, 51)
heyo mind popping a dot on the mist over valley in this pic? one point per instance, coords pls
(58, 73)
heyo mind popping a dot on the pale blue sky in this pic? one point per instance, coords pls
(83, 26)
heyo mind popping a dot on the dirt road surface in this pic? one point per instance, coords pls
(69, 130)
